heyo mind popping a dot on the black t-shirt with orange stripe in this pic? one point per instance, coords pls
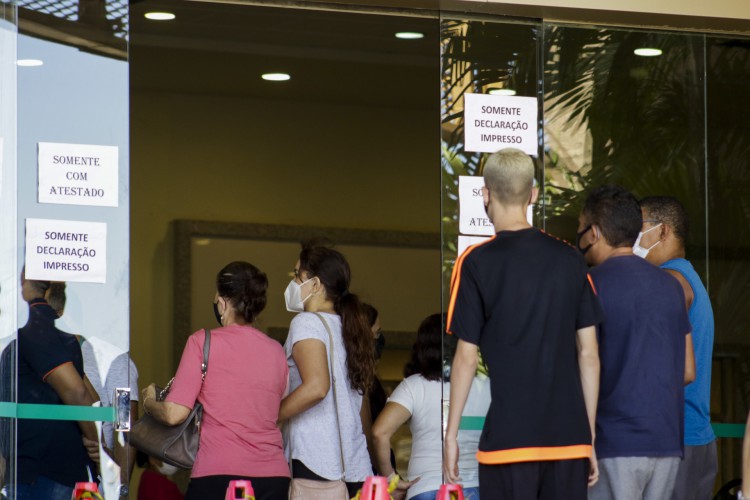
(520, 297)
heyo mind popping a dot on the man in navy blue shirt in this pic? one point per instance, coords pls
(50, 454)
(645, 350)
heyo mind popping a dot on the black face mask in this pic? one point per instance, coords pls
(578, 240)
(379, 345)
(216, 313)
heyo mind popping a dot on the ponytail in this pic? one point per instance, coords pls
(357, 335)
(331, 267)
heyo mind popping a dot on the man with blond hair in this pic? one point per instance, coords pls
(524, 298)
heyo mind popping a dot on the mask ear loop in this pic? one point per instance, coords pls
(595, 232)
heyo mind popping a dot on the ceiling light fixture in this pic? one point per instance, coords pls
(29, 62)
(647, 52)
(159, 16)
(409, 35)
(276, 77)
(502, 92)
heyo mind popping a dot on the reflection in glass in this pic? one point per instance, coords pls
(614, 117)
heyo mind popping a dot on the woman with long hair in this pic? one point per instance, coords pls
(418, 400)
(322, 431)
(241, 394)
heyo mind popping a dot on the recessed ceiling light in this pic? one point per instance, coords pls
(159, 16)
(502, 92)
(409, 35)
(647, 52)
(29, 62)
(276, 77)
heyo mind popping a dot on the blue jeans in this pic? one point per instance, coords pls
(469, 494)
(43, 488)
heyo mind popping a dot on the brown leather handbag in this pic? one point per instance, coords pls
(176, 445)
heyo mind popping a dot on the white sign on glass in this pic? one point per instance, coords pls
(473, 218)
(495, 122)
(65, 250)
(472, 215)
(78, 174)
(465, 242)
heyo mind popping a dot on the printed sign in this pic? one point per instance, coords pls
(473, 218)
(465, 242)
(78, 174)
(472, 215)
(495, 122)
(65, 250)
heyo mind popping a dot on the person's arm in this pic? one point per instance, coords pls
(90, 388)
(690, 370)
(71, 389)
(390, 419)
(746, 461)
(312, 362)
(588, 365)
(687, 291)
(166, 412)
(462, 373)
(686, 288)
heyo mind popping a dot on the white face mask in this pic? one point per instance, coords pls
(638, 249)
(293, 296)
(167, 469)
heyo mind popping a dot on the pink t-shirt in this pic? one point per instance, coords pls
(246, 378)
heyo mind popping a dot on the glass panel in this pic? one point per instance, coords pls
(728, 74)
(8, 244)
(614, 117)
(479, 58)
(71, 235)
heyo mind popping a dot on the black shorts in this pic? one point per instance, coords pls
(215, 487)
(548, 480)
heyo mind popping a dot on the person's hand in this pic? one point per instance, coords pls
(594, 468)
(92, 448)
(402, 487)
(450, 460)
(148, 393)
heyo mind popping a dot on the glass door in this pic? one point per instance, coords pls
(65, 288)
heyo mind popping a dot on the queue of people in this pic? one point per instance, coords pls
(600, 378)
(598, 356)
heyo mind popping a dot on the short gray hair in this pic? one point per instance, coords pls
(509, 176)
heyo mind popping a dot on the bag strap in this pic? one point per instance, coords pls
(333, 385)
(206, 349)
(204, 366)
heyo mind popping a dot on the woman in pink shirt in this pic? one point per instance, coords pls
(246, 379)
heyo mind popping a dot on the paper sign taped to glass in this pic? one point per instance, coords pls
(473, 218)
(495, 122)
(78, 174)
(66, 250)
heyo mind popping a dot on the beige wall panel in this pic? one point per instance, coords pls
(277, 162)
